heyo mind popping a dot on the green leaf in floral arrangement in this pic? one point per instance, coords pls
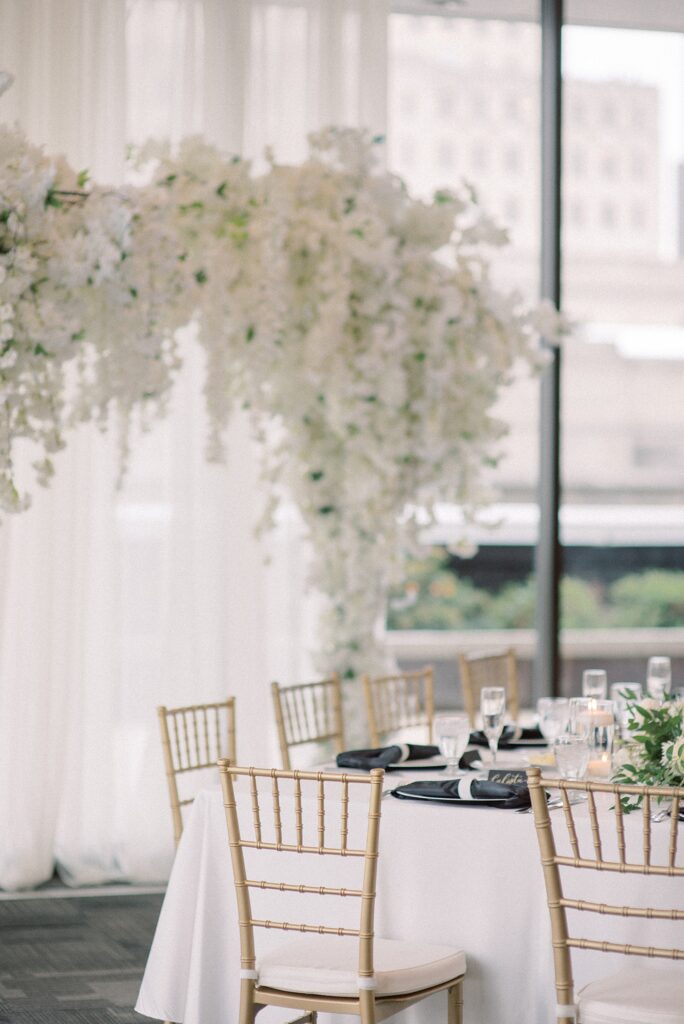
(53, 200)
(83, 178)
(316, 475)
(420, 357)
(326, 510)
(250, 333)
(221, 190)
(39, 350)
(79, 335)
(201, 277)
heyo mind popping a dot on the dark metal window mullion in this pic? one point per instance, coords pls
(548, 560)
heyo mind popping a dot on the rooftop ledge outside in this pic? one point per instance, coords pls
(439, 644)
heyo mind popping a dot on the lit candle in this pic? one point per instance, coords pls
(598, 719)
(600, 767)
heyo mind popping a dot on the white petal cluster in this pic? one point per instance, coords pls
(358, 326)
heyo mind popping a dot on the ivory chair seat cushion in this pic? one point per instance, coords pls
(640, 995)
(330, 968)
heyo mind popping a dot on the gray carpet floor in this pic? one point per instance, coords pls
(74, 961)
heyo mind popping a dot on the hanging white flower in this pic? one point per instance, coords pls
(358, 326)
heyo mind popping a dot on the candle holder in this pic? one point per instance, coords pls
(597, 718)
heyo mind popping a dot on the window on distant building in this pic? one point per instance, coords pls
(609, 167)
(576, 213)
(577, 163)
(638, 166)
(608, 215)
(638, 216)
(511, 160)
(511, 210)
(445, 103)
(609, 115)
(408, 103)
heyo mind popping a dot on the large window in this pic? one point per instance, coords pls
(623, 417)
(464, 103)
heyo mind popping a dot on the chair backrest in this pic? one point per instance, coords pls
(402, 701)
(308, 794)
(595, 859)
(480, 670)
(194, 738)
(308, 713)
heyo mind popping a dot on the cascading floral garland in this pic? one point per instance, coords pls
(359, 327)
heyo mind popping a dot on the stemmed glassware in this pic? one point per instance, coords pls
(553, 715)
(493, 711)
(452, 733)
(595, 683)
(658, 677)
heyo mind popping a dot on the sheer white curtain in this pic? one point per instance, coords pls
(114, 602)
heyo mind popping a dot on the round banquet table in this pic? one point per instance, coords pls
(468, 877)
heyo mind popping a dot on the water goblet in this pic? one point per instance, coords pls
(452, 733)
(572, 755)
(658, 677)
(553, 715)
(578, 716)
(493, 711)
(595, 683)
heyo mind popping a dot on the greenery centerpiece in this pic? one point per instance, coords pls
(654, 753)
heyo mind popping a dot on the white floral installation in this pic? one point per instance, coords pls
(359, 327)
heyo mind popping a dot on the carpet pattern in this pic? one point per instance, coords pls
(74, 961)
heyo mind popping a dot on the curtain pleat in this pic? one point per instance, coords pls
(113, 602)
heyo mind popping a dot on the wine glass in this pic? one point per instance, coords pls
(595, 683)
(493, 710)
(658, 677)
(452, 733)
(553, 715)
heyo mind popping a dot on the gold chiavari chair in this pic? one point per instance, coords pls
(193, 739)
(481, 670)
(325, 968)
(639, 995)
(402, 701)
(308, 713)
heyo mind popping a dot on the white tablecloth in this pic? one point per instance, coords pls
(466, 877)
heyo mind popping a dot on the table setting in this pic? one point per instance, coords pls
(472, 879)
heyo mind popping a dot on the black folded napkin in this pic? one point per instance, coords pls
(381, 757)
(467, 792)
(511, 737)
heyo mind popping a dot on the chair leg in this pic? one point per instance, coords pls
(455, 1003)
(367, 1006)
(247, 1008)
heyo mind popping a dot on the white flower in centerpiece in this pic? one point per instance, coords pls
(673, 757)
